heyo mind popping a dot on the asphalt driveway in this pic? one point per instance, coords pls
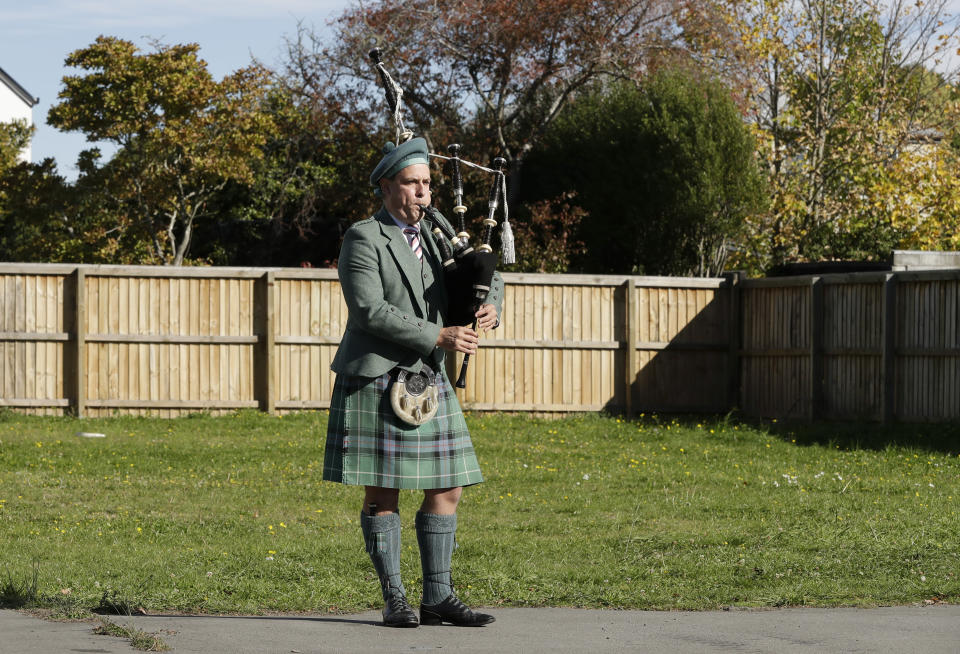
(927, 629)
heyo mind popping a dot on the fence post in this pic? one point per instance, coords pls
(630, 358)
(734, 330)
(263, 364)
(816, 347)
(889, 360)
(78, 358)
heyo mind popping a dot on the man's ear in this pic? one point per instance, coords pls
(384, 186)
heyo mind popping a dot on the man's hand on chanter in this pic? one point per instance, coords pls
(458, 339)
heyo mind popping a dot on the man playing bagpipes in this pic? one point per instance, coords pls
(395, 421)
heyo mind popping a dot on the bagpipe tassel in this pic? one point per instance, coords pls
(506, 231)
(506, 243)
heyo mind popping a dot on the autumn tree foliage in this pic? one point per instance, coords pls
(549, 232)
(489, 74)
(853, 103)
(853, 108)
(181, 136)
(509, 65)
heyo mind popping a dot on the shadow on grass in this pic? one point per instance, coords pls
(112, 603)
(17, 594)
(942, 438)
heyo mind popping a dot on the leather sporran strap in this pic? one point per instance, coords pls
(414, 397)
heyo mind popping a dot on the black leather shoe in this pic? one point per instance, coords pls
(455, 612)
(399, 613)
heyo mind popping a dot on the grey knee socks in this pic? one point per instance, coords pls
(381, 535)
(436, 537)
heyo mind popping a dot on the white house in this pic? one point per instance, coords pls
(15, 103)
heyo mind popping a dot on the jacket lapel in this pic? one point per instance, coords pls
(431, 260)
(407, 262)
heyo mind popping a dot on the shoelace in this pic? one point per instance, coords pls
(398, 602)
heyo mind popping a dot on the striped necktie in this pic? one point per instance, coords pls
(413, 236)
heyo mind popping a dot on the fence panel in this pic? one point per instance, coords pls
(310, 316)
(928, 348)
(556, 350)
(163, 345)
(876, 346)
(683, 339)
(853, 351)
(98, 340)
(33, 340)
(776, 346)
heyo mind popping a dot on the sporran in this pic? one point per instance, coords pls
(414, 396)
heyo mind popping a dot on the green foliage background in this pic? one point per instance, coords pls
(664, 170)
(626, 133)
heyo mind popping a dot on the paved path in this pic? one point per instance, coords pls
(929, 629)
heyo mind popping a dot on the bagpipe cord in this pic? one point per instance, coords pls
(403, 134)
(506, 231)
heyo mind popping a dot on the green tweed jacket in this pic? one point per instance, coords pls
(395, 305)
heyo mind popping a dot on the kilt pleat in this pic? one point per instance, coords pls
(367, 445)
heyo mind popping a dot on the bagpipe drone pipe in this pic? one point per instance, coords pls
(468, 271)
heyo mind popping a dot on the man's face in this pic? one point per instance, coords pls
(408, 189)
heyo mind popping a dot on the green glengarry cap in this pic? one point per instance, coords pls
(398, 157)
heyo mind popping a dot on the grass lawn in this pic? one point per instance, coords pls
(229, 515)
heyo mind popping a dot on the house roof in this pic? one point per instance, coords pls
(16, 88)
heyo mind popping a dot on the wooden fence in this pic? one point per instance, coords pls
(100, 340)
(866, 346)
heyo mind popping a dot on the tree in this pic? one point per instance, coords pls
(284, 215)
(665, 171)
(488, 74)
(491, 73)
(34, 205)
(547, 237)
(841, 93)
(181, 136)
(14, 137)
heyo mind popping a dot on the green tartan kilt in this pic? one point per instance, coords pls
(367, 445)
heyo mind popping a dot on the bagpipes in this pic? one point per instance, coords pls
(468, 272)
